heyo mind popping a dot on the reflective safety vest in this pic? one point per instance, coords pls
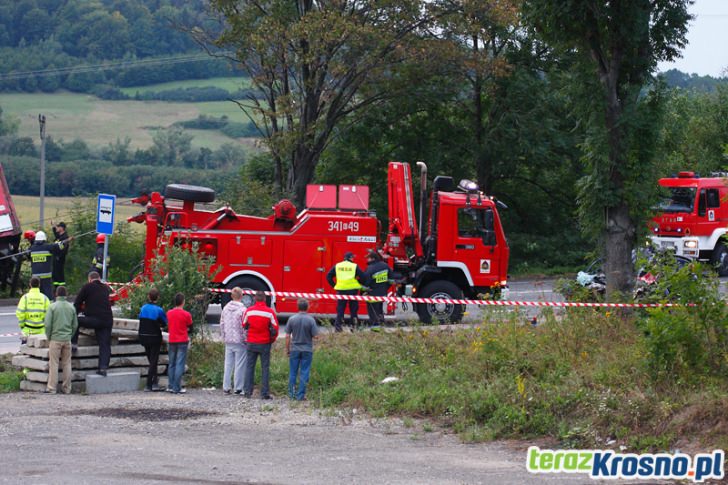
(41, 260)
(97, 263)
(346, 276)
(31, 312)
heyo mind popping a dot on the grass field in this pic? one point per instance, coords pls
(58, 209)
(99, 122)
(229, 83)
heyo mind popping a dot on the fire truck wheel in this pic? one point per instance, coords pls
(720, 259)
(442, 312)
(191, 193)
(245, 283)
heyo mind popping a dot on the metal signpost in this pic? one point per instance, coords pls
(105, 212)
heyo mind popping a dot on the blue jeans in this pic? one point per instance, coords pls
(251, 357)
(299, 360)
(177, 360)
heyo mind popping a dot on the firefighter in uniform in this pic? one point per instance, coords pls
(41, 262)
(97, 263)
(377, 277)
(59, 261)
(347, 275)
(31, 311)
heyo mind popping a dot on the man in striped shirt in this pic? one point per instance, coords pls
(261, 323)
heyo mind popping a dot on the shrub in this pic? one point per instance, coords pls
(179, 269)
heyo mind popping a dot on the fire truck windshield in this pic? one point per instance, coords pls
(678, 199)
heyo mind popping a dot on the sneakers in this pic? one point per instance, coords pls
(101, 372)
(147, 389)
(156, 388)
(74, 349)
(238, 392)
(266, 398)
(169, 389)
(228, 391)
(181, 391)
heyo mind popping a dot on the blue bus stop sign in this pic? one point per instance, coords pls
(105, 212)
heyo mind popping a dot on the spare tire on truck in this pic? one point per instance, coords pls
(190, 193)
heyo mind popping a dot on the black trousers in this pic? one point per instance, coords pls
(46, 287)
(152, 348)
(59, 271)
(102, 327)
(376, 312)
(341, 308)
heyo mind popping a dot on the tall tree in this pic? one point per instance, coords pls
(314, 63)
(617, 45)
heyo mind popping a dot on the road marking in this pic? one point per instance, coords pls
(16, 334)
(7, 314)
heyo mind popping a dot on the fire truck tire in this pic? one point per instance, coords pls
(446, 312)
(192, 193)
(245, 283)
(720, 259)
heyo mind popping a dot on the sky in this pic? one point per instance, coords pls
(706, 52)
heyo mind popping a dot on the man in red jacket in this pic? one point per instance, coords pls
(261, 323)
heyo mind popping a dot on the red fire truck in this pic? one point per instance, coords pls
(457, 250)
(693, 218)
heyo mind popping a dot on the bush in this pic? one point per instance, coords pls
(691, 339)
(181, 270)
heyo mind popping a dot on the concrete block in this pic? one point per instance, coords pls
(117, 361)
(126, 324)
(38, 341)
(80, 375)
(113, 382)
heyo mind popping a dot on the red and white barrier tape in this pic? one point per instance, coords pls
(408, 299)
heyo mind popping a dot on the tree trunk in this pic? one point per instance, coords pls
(303, 170)
(619, 242)
(620, 228)
(483, 167)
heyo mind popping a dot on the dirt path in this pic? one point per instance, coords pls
(207, 437)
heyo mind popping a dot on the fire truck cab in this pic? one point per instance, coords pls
(692, 218)
(462, 253)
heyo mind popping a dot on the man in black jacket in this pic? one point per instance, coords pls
(377, 277)
(59, 258)
(93, 301)
(42, 254)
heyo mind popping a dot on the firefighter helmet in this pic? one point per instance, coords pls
(29, 235)
(100, 238)
(40, 236)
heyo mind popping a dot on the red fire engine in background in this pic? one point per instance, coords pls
(693, 218)
(457, 250)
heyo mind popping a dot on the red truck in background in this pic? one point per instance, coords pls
(693, 218)
(457, 250)
(10, 232)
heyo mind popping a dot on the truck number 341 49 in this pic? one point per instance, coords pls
(340, 226)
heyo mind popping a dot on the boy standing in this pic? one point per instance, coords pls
(151, 320)
(61, 323)
(300, 332)
(179, 321)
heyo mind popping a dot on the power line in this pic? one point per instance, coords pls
(107, 66)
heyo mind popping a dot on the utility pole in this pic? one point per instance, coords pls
(42, 122)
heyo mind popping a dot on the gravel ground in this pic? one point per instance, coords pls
(207, 437)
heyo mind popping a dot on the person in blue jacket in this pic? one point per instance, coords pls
(151, 321)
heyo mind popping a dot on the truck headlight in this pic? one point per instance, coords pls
(690, 244)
